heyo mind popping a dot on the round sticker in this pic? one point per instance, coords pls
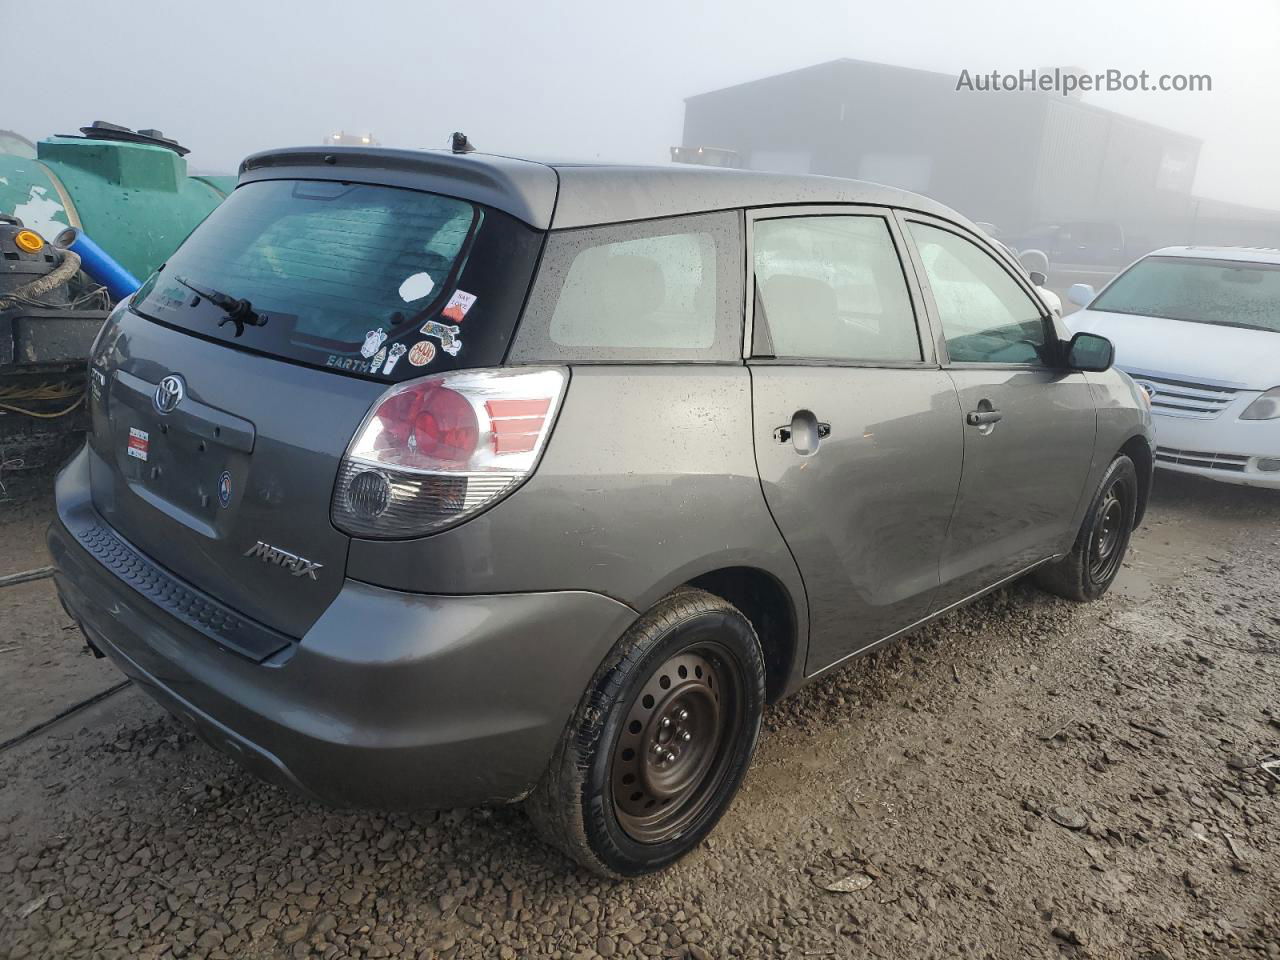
(224, 488)
(422, 353)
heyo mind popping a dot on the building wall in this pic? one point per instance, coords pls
(1012, 159)
(1097, 165)
(907, 128)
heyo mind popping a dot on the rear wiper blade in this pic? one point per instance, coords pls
(237, 310)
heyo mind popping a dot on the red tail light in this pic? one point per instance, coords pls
(434, 451)
(425, 427)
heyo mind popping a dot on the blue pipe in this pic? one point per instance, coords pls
(99, 264)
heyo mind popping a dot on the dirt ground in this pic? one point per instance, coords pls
(1024, 778)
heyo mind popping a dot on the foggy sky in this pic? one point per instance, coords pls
(594, 79)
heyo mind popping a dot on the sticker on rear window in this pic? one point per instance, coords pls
(416, 286)
(376, 363)
(398, 350)
(139, 443)
(423, 352)
(458, 305)
(447, 335)
(354, 364)
(372, 341)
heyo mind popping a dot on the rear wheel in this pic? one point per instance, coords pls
(1091, 567)
(660, 742)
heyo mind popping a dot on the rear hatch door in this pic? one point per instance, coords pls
(218, 430)
(247, 456)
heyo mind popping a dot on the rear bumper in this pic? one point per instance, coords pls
(390, 700)
(1224, 448)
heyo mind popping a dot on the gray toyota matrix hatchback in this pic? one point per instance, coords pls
(430, 479)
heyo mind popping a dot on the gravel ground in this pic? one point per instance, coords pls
(1025, 778)
(42, 658)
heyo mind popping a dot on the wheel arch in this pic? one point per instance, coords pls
(1138, 449)
(773, 612)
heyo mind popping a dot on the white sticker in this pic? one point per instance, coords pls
(376, 362)
(458, 305)
(416, 286)
(373, 340)
(398, 350)
(139, 443)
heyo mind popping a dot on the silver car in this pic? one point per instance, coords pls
(424, 478)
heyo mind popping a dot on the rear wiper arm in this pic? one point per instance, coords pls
(238, 311)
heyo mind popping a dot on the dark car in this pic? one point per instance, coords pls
(430, 479)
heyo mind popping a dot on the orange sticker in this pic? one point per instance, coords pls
(422, 353)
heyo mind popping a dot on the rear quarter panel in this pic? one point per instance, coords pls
(649, 480)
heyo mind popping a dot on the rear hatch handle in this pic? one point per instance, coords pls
(196, 418)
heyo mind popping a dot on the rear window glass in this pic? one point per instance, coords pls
(1224, 292)
(363, 279)
(650, 290)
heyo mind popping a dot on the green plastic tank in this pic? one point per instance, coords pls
(129, 191)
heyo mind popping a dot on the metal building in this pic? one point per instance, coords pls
(1013, 159)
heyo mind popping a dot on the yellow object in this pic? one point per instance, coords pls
(29, 241)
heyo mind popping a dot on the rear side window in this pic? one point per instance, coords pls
(832, 287)
(653, 290)
(986, 317)
(359, 278)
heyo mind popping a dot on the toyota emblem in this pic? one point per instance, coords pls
(169, 393)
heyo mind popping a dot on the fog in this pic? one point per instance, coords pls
(597, 80)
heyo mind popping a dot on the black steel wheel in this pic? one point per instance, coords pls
(660, 742)
(668, 760)
(1088, 571)
(1107, 539)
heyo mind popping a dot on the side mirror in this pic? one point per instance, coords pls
(1081, 294)
(1090, 352)
(1038, 279)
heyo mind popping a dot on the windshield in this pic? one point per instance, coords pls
(1228, 293)
(368, 280)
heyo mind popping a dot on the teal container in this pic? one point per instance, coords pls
(135, 200)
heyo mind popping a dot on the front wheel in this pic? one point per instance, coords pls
(1090, 568)
(660, 742)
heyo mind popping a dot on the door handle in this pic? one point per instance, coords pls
(783, 434)
(979, 418)
(804, 431)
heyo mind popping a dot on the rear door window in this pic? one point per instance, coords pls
(360, 278)
(832, 288)
(652, 290)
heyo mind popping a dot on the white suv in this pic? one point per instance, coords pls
(1198, 328)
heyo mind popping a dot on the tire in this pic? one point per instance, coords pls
(610, 798)
(1088, 571)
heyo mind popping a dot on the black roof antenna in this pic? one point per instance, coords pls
(459, 143)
